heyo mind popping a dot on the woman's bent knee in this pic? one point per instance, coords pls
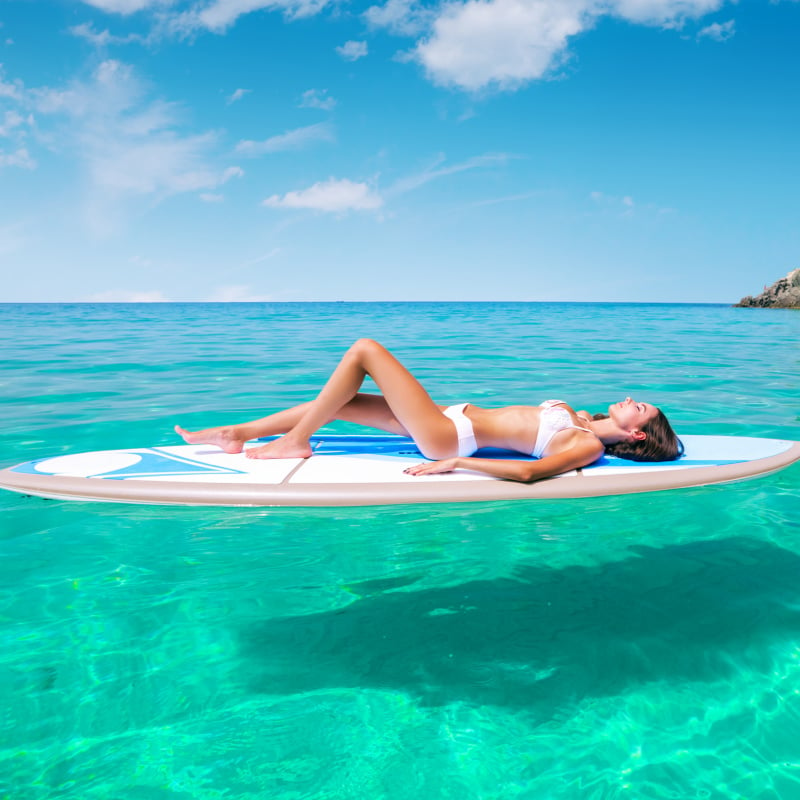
(368, 345)
(364, 349)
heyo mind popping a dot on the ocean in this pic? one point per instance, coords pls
(641, 646)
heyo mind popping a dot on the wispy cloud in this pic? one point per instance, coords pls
(718, 32)
(400, 17)
(624, 206)
(12, 122)
(333, 196)
(11, 90)
(317, 98)
(104, 38)
(237, 95)
(436, 172)
(14, 128)
(219, 15)
(18, 158)
(352, 51)
(130, 145)
(125, 6)
(295, 139)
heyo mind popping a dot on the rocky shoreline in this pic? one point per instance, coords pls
(784, 293)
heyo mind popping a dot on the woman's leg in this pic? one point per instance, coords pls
(410, 405)
(231, 438)
(364, 409)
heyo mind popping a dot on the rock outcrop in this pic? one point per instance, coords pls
(784, 293)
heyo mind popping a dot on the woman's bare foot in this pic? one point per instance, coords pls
(281, 448)
(224, 438)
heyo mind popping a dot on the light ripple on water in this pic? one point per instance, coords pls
(638, 646)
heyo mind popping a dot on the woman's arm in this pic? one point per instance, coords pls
(579, 455)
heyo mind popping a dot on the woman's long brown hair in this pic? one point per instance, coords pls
(660, 444)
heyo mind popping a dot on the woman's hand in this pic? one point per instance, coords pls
(433, 467)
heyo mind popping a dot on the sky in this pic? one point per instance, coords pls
(306, 150)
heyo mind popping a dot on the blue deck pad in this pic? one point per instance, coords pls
(404, 447)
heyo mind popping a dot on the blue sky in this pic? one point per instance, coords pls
(610, 150)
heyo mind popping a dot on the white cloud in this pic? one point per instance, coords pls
(133, 149)
(317, 98)
(219, 15)
(207, 197)
(237, 95)
(333, 195)
(112, 90)
(126, 296)
(163, 163)
(291, 140)
(659, 12)
(125, 6)
(12, 121)
(131, 146)
(19, 158)
(719, 32)
(352, 51)
(11, 91)
(400, 17)
(237, 294)
(102, 38)
(231, 172)
(14, 128)
(504, 43)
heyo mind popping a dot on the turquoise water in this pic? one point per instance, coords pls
(644, 646)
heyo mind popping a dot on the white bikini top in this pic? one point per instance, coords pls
(553, 419)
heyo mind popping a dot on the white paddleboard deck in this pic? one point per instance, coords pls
(367, 470)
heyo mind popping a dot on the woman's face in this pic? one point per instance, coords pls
(632, 415)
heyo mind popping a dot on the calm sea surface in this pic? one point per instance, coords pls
(644, 646)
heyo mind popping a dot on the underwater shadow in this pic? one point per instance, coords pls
(546, 637)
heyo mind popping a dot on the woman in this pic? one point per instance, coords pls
(560, 438)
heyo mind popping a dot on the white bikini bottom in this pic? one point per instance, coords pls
(466, 435)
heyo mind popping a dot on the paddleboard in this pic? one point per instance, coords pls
(354, 470)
